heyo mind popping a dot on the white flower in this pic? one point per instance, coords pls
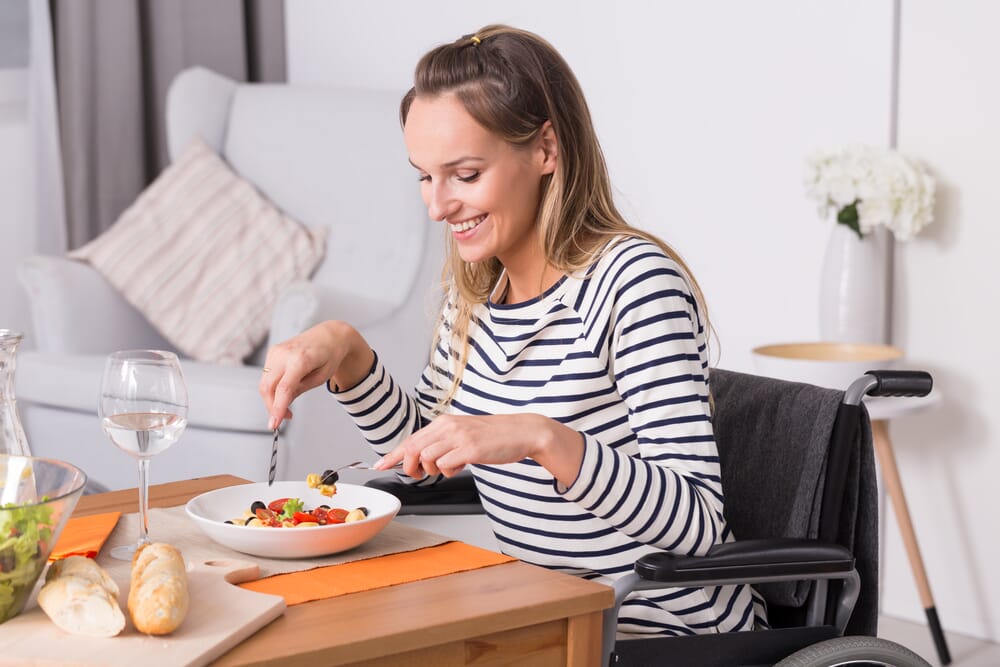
(866, 187)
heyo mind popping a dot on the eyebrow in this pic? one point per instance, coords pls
(453, 163)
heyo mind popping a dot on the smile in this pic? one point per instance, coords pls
(467, 225)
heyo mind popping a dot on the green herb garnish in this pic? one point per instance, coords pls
(292, 505)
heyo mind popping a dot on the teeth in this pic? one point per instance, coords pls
(468, 224)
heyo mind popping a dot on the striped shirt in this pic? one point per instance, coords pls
(618, 353)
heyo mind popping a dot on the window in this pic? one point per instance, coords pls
(14, 56)
(13, 34)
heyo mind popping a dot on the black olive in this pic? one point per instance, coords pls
(329, 477)
(257, 505)
(364, 510)
(326, 507)
(249, 519)
(228, 521)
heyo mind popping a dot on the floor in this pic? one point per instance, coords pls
(965, 651)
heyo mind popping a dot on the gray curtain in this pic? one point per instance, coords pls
(114, 62)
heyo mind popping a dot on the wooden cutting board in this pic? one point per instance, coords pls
(220, 616)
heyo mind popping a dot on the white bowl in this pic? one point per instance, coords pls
(212, 509)
(833, 365)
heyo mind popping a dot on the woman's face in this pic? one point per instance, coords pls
(485, 189)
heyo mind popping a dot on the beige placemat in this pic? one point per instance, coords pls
(173, 525)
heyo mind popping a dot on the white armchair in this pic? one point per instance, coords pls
(327, 157)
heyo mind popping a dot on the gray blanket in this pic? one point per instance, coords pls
(773, 438)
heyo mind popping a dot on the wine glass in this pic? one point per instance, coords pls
(143, 410)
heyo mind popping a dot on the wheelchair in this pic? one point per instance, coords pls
(799, 477)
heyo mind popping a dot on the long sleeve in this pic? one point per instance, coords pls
(669, 495)
(386, 414)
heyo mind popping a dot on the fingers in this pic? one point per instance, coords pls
(278, 393)
(443, 461)
(390, 459)
(276, 389)
(293, 367)
(411, 466)
(266, 387)
(429, 451)
(451, 463)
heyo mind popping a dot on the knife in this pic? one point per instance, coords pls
(272, 468)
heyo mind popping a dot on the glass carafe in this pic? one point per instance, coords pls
(12, 440)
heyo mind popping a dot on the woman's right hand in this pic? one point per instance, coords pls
(328, 351)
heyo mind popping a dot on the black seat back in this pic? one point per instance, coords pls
(775, 440)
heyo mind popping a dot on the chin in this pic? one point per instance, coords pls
(473, 254)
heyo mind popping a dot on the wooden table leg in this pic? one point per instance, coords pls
(894, 487)
(583, 640)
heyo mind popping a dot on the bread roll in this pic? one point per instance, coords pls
(81, 598)
(86, 568)
(158, 598)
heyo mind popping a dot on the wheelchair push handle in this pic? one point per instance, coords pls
(889, 383)
(901, 383)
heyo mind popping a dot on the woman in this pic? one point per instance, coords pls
(570, 365)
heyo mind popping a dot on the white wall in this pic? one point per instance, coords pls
(705, 111)
(947, 316)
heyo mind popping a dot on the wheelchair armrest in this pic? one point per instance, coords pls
(741, 562)
(454, 495)
(749, 561)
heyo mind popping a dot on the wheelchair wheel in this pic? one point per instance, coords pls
(854, 651)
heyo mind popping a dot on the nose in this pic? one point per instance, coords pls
(439, 201)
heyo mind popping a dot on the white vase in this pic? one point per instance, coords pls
(855, 283)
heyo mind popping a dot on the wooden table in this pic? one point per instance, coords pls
(510, 614)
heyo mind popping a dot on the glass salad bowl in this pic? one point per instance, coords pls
(36, 498)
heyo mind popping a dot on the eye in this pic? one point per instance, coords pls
(469, 178)
(424, 177)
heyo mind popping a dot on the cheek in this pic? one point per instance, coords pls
(525, 206)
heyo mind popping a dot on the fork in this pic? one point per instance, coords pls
(361, 465)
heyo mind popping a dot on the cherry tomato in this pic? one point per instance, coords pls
(300, 517)
(277, 505)
(336, 515)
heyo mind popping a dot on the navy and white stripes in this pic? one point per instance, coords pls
(617, 353)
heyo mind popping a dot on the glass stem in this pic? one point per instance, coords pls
(143, 500)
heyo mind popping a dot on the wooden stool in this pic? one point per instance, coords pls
(881, 410)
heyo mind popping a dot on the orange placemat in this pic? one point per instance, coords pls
(85, 535)
(380, 572)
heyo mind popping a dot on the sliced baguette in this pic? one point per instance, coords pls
(81, 598)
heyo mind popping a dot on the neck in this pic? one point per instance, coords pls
(526, 285)
(528, 272)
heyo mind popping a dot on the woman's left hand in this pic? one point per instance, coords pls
(451, 442)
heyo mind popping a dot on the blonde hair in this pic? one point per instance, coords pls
(511, 82)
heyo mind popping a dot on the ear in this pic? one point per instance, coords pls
(547, 148)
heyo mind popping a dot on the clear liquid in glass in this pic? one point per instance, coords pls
(144, 434)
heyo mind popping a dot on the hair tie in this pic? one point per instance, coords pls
(475, 40)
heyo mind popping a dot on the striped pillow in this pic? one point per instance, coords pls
(204, 257)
